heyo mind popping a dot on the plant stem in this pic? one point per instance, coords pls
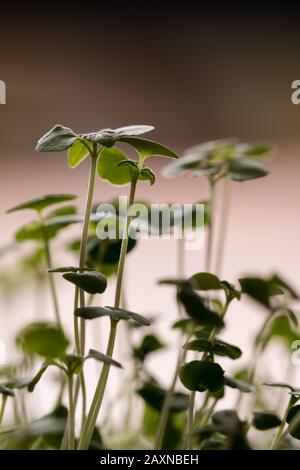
(190, 440)
(223, 226)
(82, 261)
(91, 419)
(209, 247)
(162, 425)
(50, 276)
(2, 409)
(71, 416)
(280, 431)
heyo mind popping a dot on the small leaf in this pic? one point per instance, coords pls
(77, 153)
(293, 415)
(185, 325)
(133, 130)
(196, 308)
(37, 377)
(239, 384)
(245, 169)
(202, 375)
(205, 281)
(218, 347)
(19, 383)
(44, 339)
(41, 203)
(93, 354)
(57, 139)
(256, 149)
(260, 289)
(148, 148)
(73, 362)
(106, 137)
(263, 420)
(109, 169)
(4, 390)
(90, 313)
(148, 175)
(67, 269)
(91, 282)
(149, 344)
(154, 396)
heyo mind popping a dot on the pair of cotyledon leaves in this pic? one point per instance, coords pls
(219, 158)
(113, 165)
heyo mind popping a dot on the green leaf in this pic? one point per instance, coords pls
(281, 328)
(202, 375)
(6, 391)
(148, 148)
(67, 269)
(108, 137)
(149, 344)
(19, 383)
(34, 381)
(239, 384)
(38, 204)
(263, 420)
(93, 354)
(245, 169)
(260, 289)
(218, 347)
(277, 280)
(196, 309)
(77, 153)
(133, 130)
(57, 139)
(109, 169)
(91, 282)
(90, 313)
(147, 174)
(43, 339)
(73, 362)
(154, 396)
(62, 211)
(205, 281)
(185, 325)
(293, 415)
(256, 149)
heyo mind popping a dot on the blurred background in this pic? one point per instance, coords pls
(196, 74)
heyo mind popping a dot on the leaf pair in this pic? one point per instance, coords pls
(89, 313)
(79, 146)
(217, 346)
(221, 158)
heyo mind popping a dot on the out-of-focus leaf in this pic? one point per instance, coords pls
(202, 375)
(43, 339)
(40, 203)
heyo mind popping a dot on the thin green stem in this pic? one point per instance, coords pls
(223, 226)
(91, 419)
(190, 437)
(50, 276)
(210, 234)
(164, 416)
(71, 415)
(280, 431)
(82, 262)
(2, 409)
